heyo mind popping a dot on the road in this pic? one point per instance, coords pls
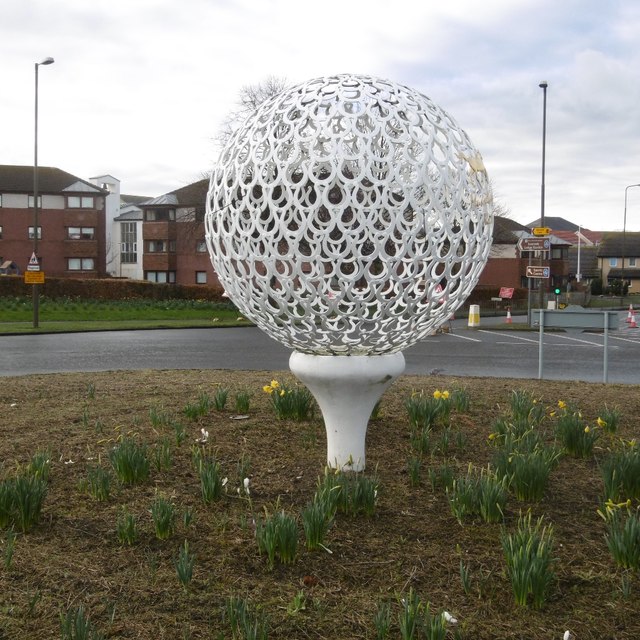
(489, 350)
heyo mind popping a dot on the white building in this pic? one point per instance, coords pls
(123, 230)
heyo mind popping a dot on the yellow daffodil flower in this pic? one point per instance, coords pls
(275, 384)
(601, 422)
(562, 404)
(552, 414)
(267, 389)
(445, 395)
(586, 429)
(437, 394)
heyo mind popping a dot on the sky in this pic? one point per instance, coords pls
(140, 88)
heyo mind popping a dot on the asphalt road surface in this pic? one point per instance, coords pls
(490, 350)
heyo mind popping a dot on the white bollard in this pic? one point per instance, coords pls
(474, 315)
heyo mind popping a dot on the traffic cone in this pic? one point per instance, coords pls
(508, 318)
(632, 324)
(630, 313)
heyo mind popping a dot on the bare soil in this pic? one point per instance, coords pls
(72, 557)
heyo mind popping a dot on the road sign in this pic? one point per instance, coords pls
(33, 265)
(541, 231)
(34, 277)
(538, 272)
(534, 244)
(506, 292)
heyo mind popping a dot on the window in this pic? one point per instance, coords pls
(31, 233)
(162, 246)
(80, 264)
(129, 242)
(81, 233)
(0, 232)
(80, 202)
(160, 276)
(201, 246)
(201, 277)
(632, 261)
(558, 253)
(613, 262)
(0, 199)
(31, 202)
(159, 215)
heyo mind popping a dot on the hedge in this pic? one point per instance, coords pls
(118, 289)
(109, 289)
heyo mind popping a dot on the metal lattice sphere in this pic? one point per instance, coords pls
(349, 216)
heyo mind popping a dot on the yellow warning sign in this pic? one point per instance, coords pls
(34, 277)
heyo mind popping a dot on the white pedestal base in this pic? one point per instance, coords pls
(346, 388)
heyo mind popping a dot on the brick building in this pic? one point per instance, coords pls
(174, 248)
(507, 264)
(71, 222)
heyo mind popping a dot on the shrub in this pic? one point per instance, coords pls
(184, 565)
(129, 461)
(621, 474)
(210, 480)
(75, 625)
(623, 539)
(29, 493)
(291, 403)
(164, 517)
(576, 436)
(277, 536)
(126, 528)
(526, 473)
(99, 483)
(527, 552)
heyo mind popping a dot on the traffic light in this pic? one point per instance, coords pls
(557, 291)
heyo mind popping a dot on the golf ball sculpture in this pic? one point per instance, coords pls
(349, 217)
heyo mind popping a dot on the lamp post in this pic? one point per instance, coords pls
(578, 272)
(624, 230)
(36, 287)
(543, 85)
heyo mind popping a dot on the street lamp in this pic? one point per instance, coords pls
(36, 288)
(624, 230)
(543, 85)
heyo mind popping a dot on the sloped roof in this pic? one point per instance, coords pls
(588, 237)
(19, 179)
(132, 215)
(616, 244)
(556, 224)
(507, 231)
(191, 195)
(127, 199)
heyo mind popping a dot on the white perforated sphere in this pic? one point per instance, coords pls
(349, 215)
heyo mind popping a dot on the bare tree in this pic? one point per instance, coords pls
(250, 98)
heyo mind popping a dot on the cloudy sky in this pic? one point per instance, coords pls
(140, 88)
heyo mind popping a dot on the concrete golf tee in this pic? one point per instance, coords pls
(346, 389)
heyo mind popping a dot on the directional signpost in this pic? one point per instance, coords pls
(534, 244)
(537, 272)
(541, 245)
